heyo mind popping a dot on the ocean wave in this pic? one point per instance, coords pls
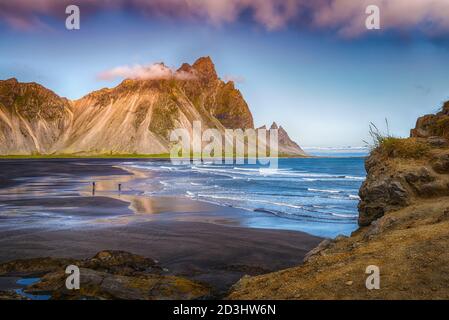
(168, 168)
(355, 178)
(324, 190)
(341, 215)
(222, 197)
(272, 202)
(301, 192)
(261, 173)
(307, 217)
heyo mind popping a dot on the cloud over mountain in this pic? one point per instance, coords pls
(155, 71)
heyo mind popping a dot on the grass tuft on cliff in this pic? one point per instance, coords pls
(410, 148)
(393, 147)
(377, 136)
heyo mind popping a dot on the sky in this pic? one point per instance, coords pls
(311, 66)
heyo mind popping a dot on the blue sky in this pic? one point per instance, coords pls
(323, 88)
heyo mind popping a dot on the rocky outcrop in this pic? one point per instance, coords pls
(136, 117)
(396, 178)
(286, 146)
(33, 119)
(107, 275)
(433, 125)
(404, 230)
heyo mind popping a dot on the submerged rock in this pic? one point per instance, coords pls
(33, 267)
(11, 295)
(107, 275)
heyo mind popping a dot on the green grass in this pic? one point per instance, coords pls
(76, 156)
(393, 147)
(409, 148)
(110, 156)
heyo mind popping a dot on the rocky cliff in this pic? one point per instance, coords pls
(33, 119)
(286, 146)
(136, 117)
(404, 229)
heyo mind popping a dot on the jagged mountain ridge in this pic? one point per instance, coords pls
(135, 117)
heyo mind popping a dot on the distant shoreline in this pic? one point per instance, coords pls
(155, 157)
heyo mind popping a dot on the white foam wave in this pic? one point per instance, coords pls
(355, 178)
(341, 215)
(324, 190)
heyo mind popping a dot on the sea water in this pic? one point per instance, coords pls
(314, 195)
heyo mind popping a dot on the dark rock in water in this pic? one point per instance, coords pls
(121, 262)
(35, 266)
(11, 295)
(107, 275)
(102, 285)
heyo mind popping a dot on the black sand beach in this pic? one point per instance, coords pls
(200, 241)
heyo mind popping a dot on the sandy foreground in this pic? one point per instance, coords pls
(59, 217)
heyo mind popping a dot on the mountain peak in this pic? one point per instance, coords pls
(185, 68)
(446, 107)
(205, 67)
(13, 80)
(274, 126)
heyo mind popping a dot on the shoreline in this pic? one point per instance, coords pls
(200, 241)
(123, 157)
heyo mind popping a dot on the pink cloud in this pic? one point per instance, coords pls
(346, 17)
(233, 78)
(155, 71)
